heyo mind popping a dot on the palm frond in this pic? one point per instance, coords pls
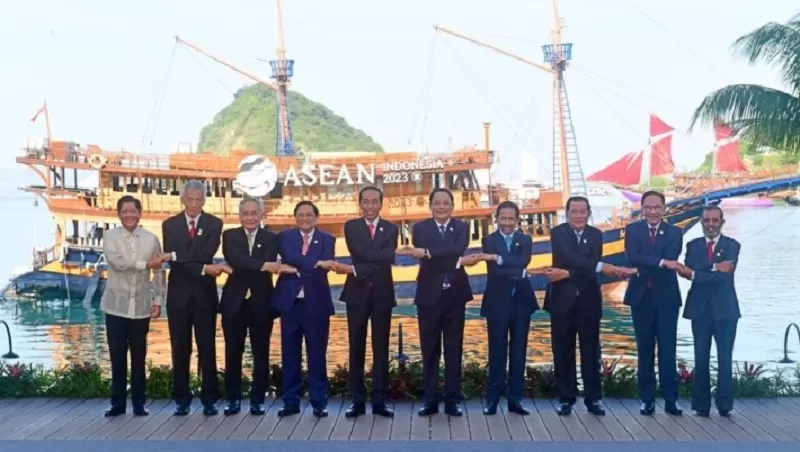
(770, 117)
(777, 45)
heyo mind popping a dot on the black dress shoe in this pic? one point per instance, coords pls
(673, 409)
(647, 408)
(452, 409)
(429, 409)
(516, 407)
(257, 409)
(596, 408)
(288, 411)
(234, 407)
(356, 409)
(209, 409)
(140, 411)
(564, 409)
(181, 410)
(725, 413)
(702, 413)
(380, 409)
(114, 411)
(321, 412)
(490, 409)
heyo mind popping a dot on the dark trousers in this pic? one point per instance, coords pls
(655, 322)
(258, 323)
(296, 325)
(204, 322)
(508, 346)
(724, 334)
(442, 323)
(125, 334)
(381, 320)
(563, 331)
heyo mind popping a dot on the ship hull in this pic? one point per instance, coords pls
(76, 280)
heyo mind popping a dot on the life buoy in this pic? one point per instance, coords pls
(97, 161)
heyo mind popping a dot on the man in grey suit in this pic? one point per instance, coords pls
(713, 308)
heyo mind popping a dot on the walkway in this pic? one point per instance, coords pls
(755, 420)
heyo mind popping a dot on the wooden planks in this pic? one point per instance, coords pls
(754, 420)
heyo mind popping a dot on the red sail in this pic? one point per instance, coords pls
(726, 150)
(625, 171)
(661, 163)
(658, 126)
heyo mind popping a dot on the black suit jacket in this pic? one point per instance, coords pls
(185, 278)
(372, 260)
(445, 252)
(247, 274)
(581, 260)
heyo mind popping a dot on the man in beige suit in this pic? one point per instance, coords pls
(129, 301)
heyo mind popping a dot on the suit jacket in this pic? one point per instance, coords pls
(191, 254)
(372, 260)
(712, 293)
(498, 301)
(580, 258)
(247, 274)
(313, 281)
(445, 252)
(646, 256)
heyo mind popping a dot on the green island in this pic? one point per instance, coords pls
(250, 122)
(88, 380)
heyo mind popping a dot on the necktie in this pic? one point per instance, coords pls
(371, 230)
(653, 235)
(508, 242)
(305, 244)
(445, 282)
(250, 240)
(710, 250)
(578, 235)
(192, 230)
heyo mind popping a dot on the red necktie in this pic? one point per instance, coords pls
(192, 230)
(710, 250)
(371, 230)
(305, 244)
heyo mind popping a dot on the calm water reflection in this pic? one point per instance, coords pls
(56, 332)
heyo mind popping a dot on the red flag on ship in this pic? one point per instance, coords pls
(726, 149)
(42, 109)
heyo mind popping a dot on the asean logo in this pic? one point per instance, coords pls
(257, 176)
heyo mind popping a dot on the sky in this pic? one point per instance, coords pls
(105, 67)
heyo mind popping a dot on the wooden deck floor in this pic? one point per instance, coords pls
(767, 420)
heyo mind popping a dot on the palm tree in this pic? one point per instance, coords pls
(767, 116)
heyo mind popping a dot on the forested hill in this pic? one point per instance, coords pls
(250, 122)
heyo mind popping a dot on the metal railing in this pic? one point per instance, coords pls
(786, 359)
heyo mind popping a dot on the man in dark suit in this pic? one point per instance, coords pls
(246, 305)
(713, 308)
(653, 247)
(191, 239)
(369, 295)
(508, 303)
(305, 304)
(441, 295)
(575, 304)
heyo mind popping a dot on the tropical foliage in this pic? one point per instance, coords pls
(87, 380)
(766, 116)
(250, 122)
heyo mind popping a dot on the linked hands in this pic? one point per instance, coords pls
(419, 253)
(618, 272)
(157, 261)
(217, 269)
(277, 267)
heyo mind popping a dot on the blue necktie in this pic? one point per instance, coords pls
(441, 231)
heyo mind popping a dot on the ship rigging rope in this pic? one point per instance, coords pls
(425, 94)
(480, 87)
(617, 114)
(210, 72)
(155, 113)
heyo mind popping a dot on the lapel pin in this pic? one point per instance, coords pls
(719, 253)
(660, 232)
(451, 229)
(315, 241)
(199, 232)
(516, 244)
(380, 229)
(258, 245)
(584, 240)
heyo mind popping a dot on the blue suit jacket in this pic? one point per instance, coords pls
(314, 281)
(646, 256)
(445, 252)
(712, 292)
(501, 279)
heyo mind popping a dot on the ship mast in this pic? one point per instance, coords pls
(282, 72)
(567, 171)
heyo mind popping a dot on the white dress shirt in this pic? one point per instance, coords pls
(129, 291)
